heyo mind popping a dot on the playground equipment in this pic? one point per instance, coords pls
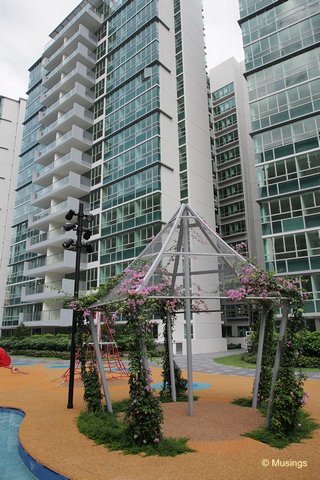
(5, 362)
(113, 365)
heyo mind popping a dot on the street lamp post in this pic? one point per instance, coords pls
(69, 244)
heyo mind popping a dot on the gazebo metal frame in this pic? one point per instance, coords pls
(180, 220)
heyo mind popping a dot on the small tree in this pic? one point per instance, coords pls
(22, 331)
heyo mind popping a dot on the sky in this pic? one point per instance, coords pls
(26, 24)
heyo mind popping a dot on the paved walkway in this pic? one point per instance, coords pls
(204, 362)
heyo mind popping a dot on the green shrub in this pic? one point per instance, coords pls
(42, 343)
(307, 362)
(107, 429)
(41, 354)
(301, 361)
(308, 343)
(6, 343)
(249, 357)
(303, 430)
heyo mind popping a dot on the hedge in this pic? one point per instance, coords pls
(308, 343)
(40, 343)
(307, 362)
(41, 354)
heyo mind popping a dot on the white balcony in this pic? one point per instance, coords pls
(74, 161)
(78, 115)
(86, 16)
(79, 94)
(39, 291)
(82, 55)
(54, 214)
(53, 238)
(79, 74)
(74, 138)
(73, 184)
(62, 263)
(49, 318)
(82, 35)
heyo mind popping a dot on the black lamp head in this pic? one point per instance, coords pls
(89, 247)
(69, 226)
(69, 215)
(89, 217)
(68, 244)
(87, 234)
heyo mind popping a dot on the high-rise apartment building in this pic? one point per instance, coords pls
(282, 58)
(238, 215)
(118, 115)
(11, 118)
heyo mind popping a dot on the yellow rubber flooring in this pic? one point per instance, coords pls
(50, 435)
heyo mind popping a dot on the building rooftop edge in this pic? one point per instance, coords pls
(73, 13)
(13, 99)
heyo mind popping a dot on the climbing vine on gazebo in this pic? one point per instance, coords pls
(272, 292)
(144, 414)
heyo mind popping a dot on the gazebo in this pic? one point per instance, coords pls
(198, 268)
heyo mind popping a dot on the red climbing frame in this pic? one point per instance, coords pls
(113, 364)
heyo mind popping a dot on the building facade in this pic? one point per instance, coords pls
(282, 58)
(238, 215)
(120, 110)
(11, 118)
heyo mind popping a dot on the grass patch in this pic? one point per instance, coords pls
(236, 361)
(107, 429)
(247, 402)
(306, 427)
(242, 402)
(120, 406)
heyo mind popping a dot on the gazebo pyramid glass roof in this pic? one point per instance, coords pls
(185, 243)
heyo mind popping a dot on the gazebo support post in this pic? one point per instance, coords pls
(144, 357)
(187, 307)
(100, 364)
(169, 332)
(277, 362)
(263, 319)
(171, 363)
